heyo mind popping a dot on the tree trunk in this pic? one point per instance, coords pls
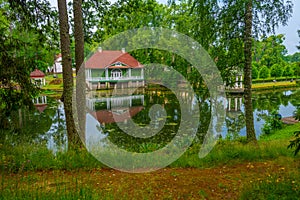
(79, 60)
(67, 72)
(248, 73)
(78, 33)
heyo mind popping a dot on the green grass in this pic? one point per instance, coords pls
(284, 84)
(270, 147)
(49, 187)
(30, 157)
(24, 156)
(230, 153)
(279, 187)
(286, 133)
(31, 171)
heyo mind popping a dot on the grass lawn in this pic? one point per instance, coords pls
(273, 85)
(232, 170)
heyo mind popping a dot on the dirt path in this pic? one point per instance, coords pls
(224, 182)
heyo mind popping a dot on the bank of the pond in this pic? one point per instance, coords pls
(223, 182)
(58, 88)
(27, 156)
(274, 85)
(232, 170)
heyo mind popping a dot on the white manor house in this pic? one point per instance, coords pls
(111, 69)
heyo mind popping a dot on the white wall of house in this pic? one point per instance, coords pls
(56, 67)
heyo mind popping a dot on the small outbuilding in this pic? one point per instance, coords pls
(38, 77)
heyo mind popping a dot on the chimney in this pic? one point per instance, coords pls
(100, 49)
(123, 50)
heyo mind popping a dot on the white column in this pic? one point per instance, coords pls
(108, 103)
(235, 104)
(106, 73)
(240, 102)
(129, 72)
(130, 101)
(142, 73)
(229, 104)
(236, 81)
(241, 81)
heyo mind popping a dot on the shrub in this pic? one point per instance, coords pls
(264, 72)
(288, 71)
(276, 70)
(273, 122)
(254, 72)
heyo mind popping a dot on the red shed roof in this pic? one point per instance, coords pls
(104, 59)
(37, 74)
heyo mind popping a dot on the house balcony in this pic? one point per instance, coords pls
(114, 79)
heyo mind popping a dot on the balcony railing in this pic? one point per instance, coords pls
(114, 78)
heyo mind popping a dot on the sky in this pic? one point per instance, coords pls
(290, 31)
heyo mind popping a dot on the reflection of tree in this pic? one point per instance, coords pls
(235, 121)
(171, 105)
(294, 98)
(26, 125)
(56, 135)
(265, 103)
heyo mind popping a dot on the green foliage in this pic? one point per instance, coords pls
(270, 51)
(276, 70)
(293, 58)
(273, 122)
(296, 68)
(295, 143)
(288, 71)
(26, 31)
(264, 72)
(254, 72)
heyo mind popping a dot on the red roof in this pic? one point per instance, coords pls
(104, 59)
(107, 116)
(37, 74)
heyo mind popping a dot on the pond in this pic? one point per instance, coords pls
(155, 111)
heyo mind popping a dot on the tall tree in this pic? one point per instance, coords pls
(244, 20)
(247, 72)
(79, 60)
(78, 33)
(67, 72)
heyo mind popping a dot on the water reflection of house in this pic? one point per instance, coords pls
(112, 69)
(115, 108)
(234, 103)
(40, 103)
